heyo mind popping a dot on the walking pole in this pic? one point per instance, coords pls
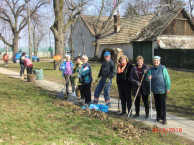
(135, 96)
(151, 99)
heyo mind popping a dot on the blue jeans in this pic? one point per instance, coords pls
(99, 88)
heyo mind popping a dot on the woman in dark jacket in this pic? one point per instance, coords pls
(124, 85)
(135, 77)
(22, 57)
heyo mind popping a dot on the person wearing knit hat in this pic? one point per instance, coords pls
(107, 72)
(160, 86)
(67, 68)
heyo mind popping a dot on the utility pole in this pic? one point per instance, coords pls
(29, 31)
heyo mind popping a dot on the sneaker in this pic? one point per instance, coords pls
(136, 115)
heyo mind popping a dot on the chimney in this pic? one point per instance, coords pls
(116, 23)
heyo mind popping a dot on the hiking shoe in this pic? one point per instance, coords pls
(136, 115)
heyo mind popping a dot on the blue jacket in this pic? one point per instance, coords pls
(63, 67)
(160, 81)
(85, 74)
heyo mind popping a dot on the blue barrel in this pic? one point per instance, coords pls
(39, 74)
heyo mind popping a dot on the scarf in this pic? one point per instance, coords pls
(121, 68)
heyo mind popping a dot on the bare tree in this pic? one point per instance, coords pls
(191, 7)
(15, 14)
(103, 29)
(38, 30)
(59, 28)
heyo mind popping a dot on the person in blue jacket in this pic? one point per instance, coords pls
(85, 75)
(67, 68)
(160, 86)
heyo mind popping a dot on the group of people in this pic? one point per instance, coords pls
(135, 80)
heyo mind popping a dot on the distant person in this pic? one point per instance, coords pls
(22, 57)
(123, 83)
(160, 86)
(5, 59)
(28, 65)
(67, 68)
(135, 77)
(86, 80)
(107, 72)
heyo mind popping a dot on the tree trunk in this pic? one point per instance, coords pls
(58, 51)
(71, 41)
(57, 29)
(97, 48)
(34, 42)
(15, 43)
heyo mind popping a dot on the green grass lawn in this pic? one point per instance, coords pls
(30, 115)
(180, 100)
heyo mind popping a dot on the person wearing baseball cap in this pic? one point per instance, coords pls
(107, 72)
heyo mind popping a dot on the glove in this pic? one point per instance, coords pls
(139, 84)
(107, 80)
(145, 71)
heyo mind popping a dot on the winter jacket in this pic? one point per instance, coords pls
(160, 81)
(107, 70)
(76, 73)
(63, 67)
(134, 79)
(21, 60)
(123, 78)
(27, 62)
(85, 74)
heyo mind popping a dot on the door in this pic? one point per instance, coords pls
(144, 49)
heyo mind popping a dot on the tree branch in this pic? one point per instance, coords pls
(53, 29)
(4, 41)
(105, 25)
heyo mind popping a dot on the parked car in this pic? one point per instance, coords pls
(16, 58)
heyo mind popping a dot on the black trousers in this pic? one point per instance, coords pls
(81, 91)
(67, 79)
(86, 92)
(29, 70)
(125, 96)
(145, 101)
(22, 69)
(160, 104)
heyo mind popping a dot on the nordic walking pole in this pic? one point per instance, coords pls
(136, 95)
(150, 98)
